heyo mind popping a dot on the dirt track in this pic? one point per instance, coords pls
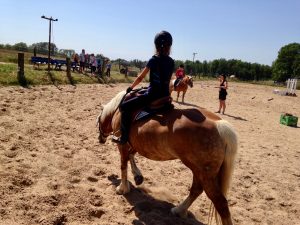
(53, 170)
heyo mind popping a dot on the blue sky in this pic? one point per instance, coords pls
(252, 30)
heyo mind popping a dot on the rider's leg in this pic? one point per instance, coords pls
(126, 109)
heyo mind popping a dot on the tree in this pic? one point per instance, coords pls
(287, 63)
(21, 46)
(138, 63)
(42, 48)
(205, 67)
(8, 46)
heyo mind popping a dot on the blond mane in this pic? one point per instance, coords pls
(112, 105)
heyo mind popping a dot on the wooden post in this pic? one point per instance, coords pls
(21, 76)
(68, 61)
(34, 51)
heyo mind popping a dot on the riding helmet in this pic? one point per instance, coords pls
(162, 39)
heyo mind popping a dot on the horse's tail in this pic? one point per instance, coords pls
(229, 138)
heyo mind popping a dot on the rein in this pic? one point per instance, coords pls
(132, 92)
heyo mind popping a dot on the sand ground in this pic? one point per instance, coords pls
(53, 171)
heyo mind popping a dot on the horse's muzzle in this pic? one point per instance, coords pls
(101, 139)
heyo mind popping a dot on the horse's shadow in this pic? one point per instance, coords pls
(150, 211)
(187, 104)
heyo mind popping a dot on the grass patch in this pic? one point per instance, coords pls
(40, 76)
(8, 74)
(11, 56)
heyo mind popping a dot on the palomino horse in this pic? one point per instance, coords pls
(200, 139)
(182, 86)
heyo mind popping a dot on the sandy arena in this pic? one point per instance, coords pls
(53, 171)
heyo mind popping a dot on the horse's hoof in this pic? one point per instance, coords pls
(138, 179)
(122, 190)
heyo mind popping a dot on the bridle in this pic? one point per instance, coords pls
(101, 132)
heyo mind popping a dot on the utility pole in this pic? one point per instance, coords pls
(194, 53)
(194, 56)
(49, 44)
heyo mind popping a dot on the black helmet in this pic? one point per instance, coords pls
(162, 39)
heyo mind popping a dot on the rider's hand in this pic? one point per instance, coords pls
(128, 90)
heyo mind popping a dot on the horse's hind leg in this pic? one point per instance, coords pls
(183, 94)
(213, 191)
(138, 177)
(124, 187)
(196, 190)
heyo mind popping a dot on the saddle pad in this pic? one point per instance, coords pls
(142, 114)
(147, 112)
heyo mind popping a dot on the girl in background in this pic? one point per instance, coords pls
(222, 93)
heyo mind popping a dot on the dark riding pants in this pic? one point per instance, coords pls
(127, 108)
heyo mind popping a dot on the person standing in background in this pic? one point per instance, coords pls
(222, 93)
(93, 63)
(82, 61)
(108, 67)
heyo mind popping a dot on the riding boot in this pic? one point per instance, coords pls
(176, 83)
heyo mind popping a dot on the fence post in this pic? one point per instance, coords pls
(68, 67)
(68, 61)
(21, 76)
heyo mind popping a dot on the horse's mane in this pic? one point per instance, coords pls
(111, 107)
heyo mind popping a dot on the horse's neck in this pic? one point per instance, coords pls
(115, 121)
(107, 123)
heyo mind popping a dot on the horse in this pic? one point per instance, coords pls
(182, 86)
(203, 142)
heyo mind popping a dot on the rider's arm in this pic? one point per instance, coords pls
(140, 77)
(225, 85)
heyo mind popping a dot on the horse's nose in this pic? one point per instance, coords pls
(101, 139)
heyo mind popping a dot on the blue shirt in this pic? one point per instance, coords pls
(161, 70)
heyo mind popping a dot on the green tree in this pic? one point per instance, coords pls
(21, 46)
(42, 48)
(8, 46)
(287, 63)
(138, 63)
(205, 67)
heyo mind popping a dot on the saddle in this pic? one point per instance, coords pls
(157, 106)
(176, 82)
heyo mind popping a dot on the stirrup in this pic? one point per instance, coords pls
(118, 140)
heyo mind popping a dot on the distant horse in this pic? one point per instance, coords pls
(200, 139)
(182, 86)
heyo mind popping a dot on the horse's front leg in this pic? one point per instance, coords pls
(124, 187)
(196, 190)
(138, 177)
(183, 94)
